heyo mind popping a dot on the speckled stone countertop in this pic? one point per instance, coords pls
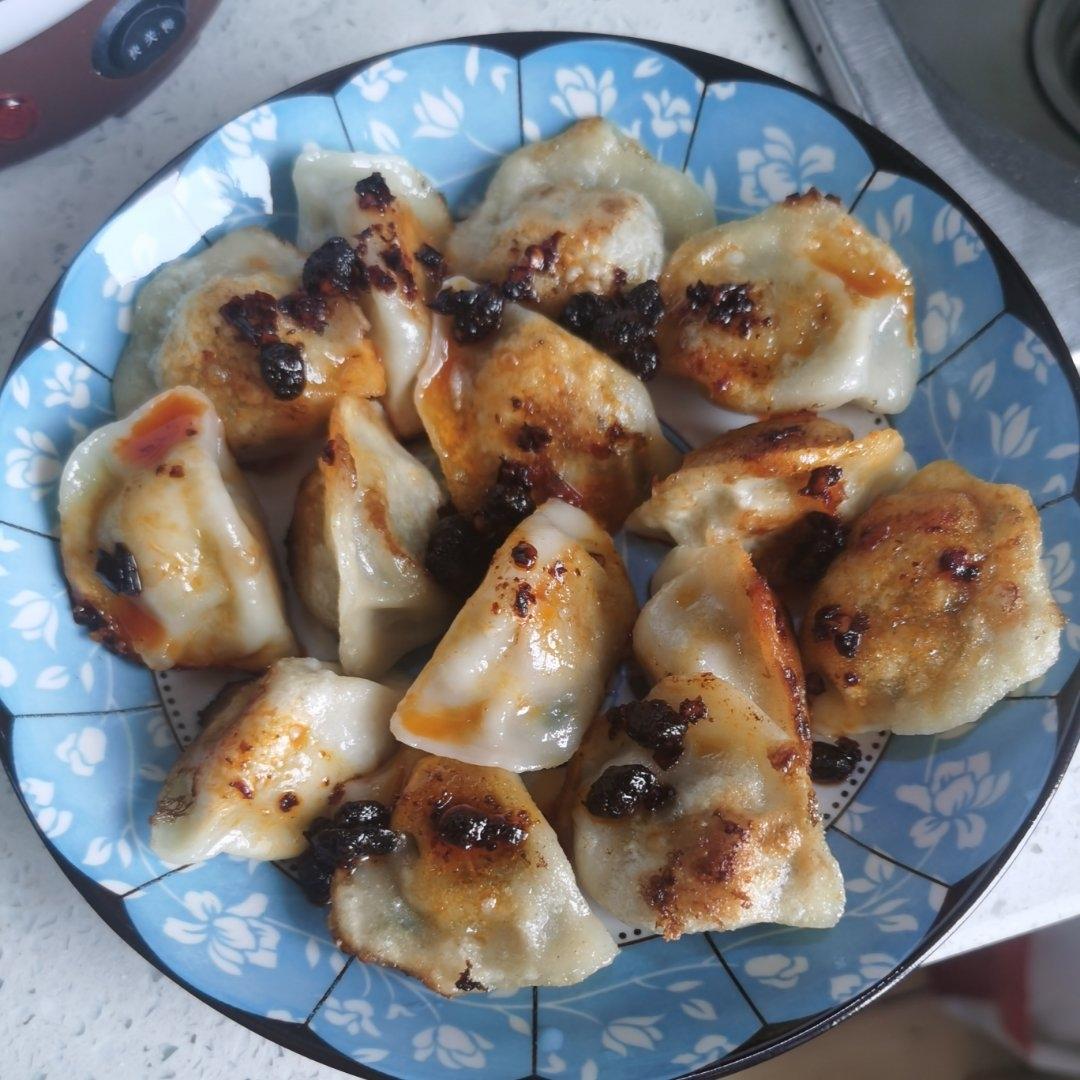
(75, 1001)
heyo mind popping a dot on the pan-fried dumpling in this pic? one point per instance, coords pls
(587, 211)
(479, 897)
(518, 388)
(704, 820)
(163, 545)
(938, 607)
(234, 322)
(356, 545)
(712, 612)
(398, 221)
(798, 307)
(274, 754)
(785, 487)
(524, 666)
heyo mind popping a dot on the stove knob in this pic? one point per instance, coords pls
(136, 34)
(18, 116)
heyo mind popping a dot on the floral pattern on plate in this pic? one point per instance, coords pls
(382, 1018)
(241, 932)
(755, 144)
(957, 290)
(48, 406)
(1003, 409)
(944, 804)
(653, 98)
(661, 1009)
(1061, 549)
(92, 309)
(790, 973)
(452, 110)
(242, 174)
(91, 782)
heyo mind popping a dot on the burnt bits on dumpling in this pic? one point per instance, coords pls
(397, 224)
(507, 385)
(938, 607)
(798, 307)
(480, 896)
(357, 542)
(274, 754)
(524, 666)
(163, 544)
(234, 322)
(724, 836)
(586, 211)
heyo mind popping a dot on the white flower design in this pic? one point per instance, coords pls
(636, 1032)
(452, 1047)
(982, 378)
(951, 227)
(159, 731)
(238, 135)
(440, 117)
(888, 227)
(83, 752)
(353, 1014)
(374, 83)
(1010, 434)
(778, 169)
(723, 90)
(234, 936)
(871, 967)
(670, 115)
(1031, 354)
(707, 1049)
(51, 821)
(941, 321)
(68, 386)
(951, 800)
(854, 814)
(34, 466)
(36, 618)
(775, 969)
(582, 94)
(1060, 567)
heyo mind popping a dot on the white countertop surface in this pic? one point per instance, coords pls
(75, 1001)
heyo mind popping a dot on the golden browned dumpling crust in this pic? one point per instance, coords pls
(937, 608)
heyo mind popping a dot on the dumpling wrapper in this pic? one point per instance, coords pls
(469, 919)
(357, 541)
(523, 668)
(759, 483)
(740, 842)
(830, 317)
(178, 337)
(163, 483)
(942, 607)
(712, 612)
(273, 756)
(480, 403)
(325, 184)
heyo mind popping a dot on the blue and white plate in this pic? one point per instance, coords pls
(926, 823)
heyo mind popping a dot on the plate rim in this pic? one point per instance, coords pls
(1017, 293)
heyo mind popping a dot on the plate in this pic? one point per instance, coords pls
(926, 824)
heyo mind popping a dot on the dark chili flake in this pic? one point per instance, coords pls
(373, 193)
(288, 801)
(432, 260)
(850, 678)
(281, 365)
(729, 305)
(523, 554)
(394, 259)
(532, 438)
(509, 500)
(119, 570)
(518, 284)
(833, 763)
(847, 641)
(243, 787)
(820, 480)
(657, 726)
(813, 543)
(466, 827)
(621, 790)
(458, 554)
(334, 269)
(328, 452)
(87, 615)
(624, 325)
(826, 622)
(253, 316)
(475, 313)
(308, 310)
(815, 684)
(465, 982)
(543, 256)
(381, 279)
(524, 598)
(961, 564)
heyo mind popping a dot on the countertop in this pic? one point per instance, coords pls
(75, 1001)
